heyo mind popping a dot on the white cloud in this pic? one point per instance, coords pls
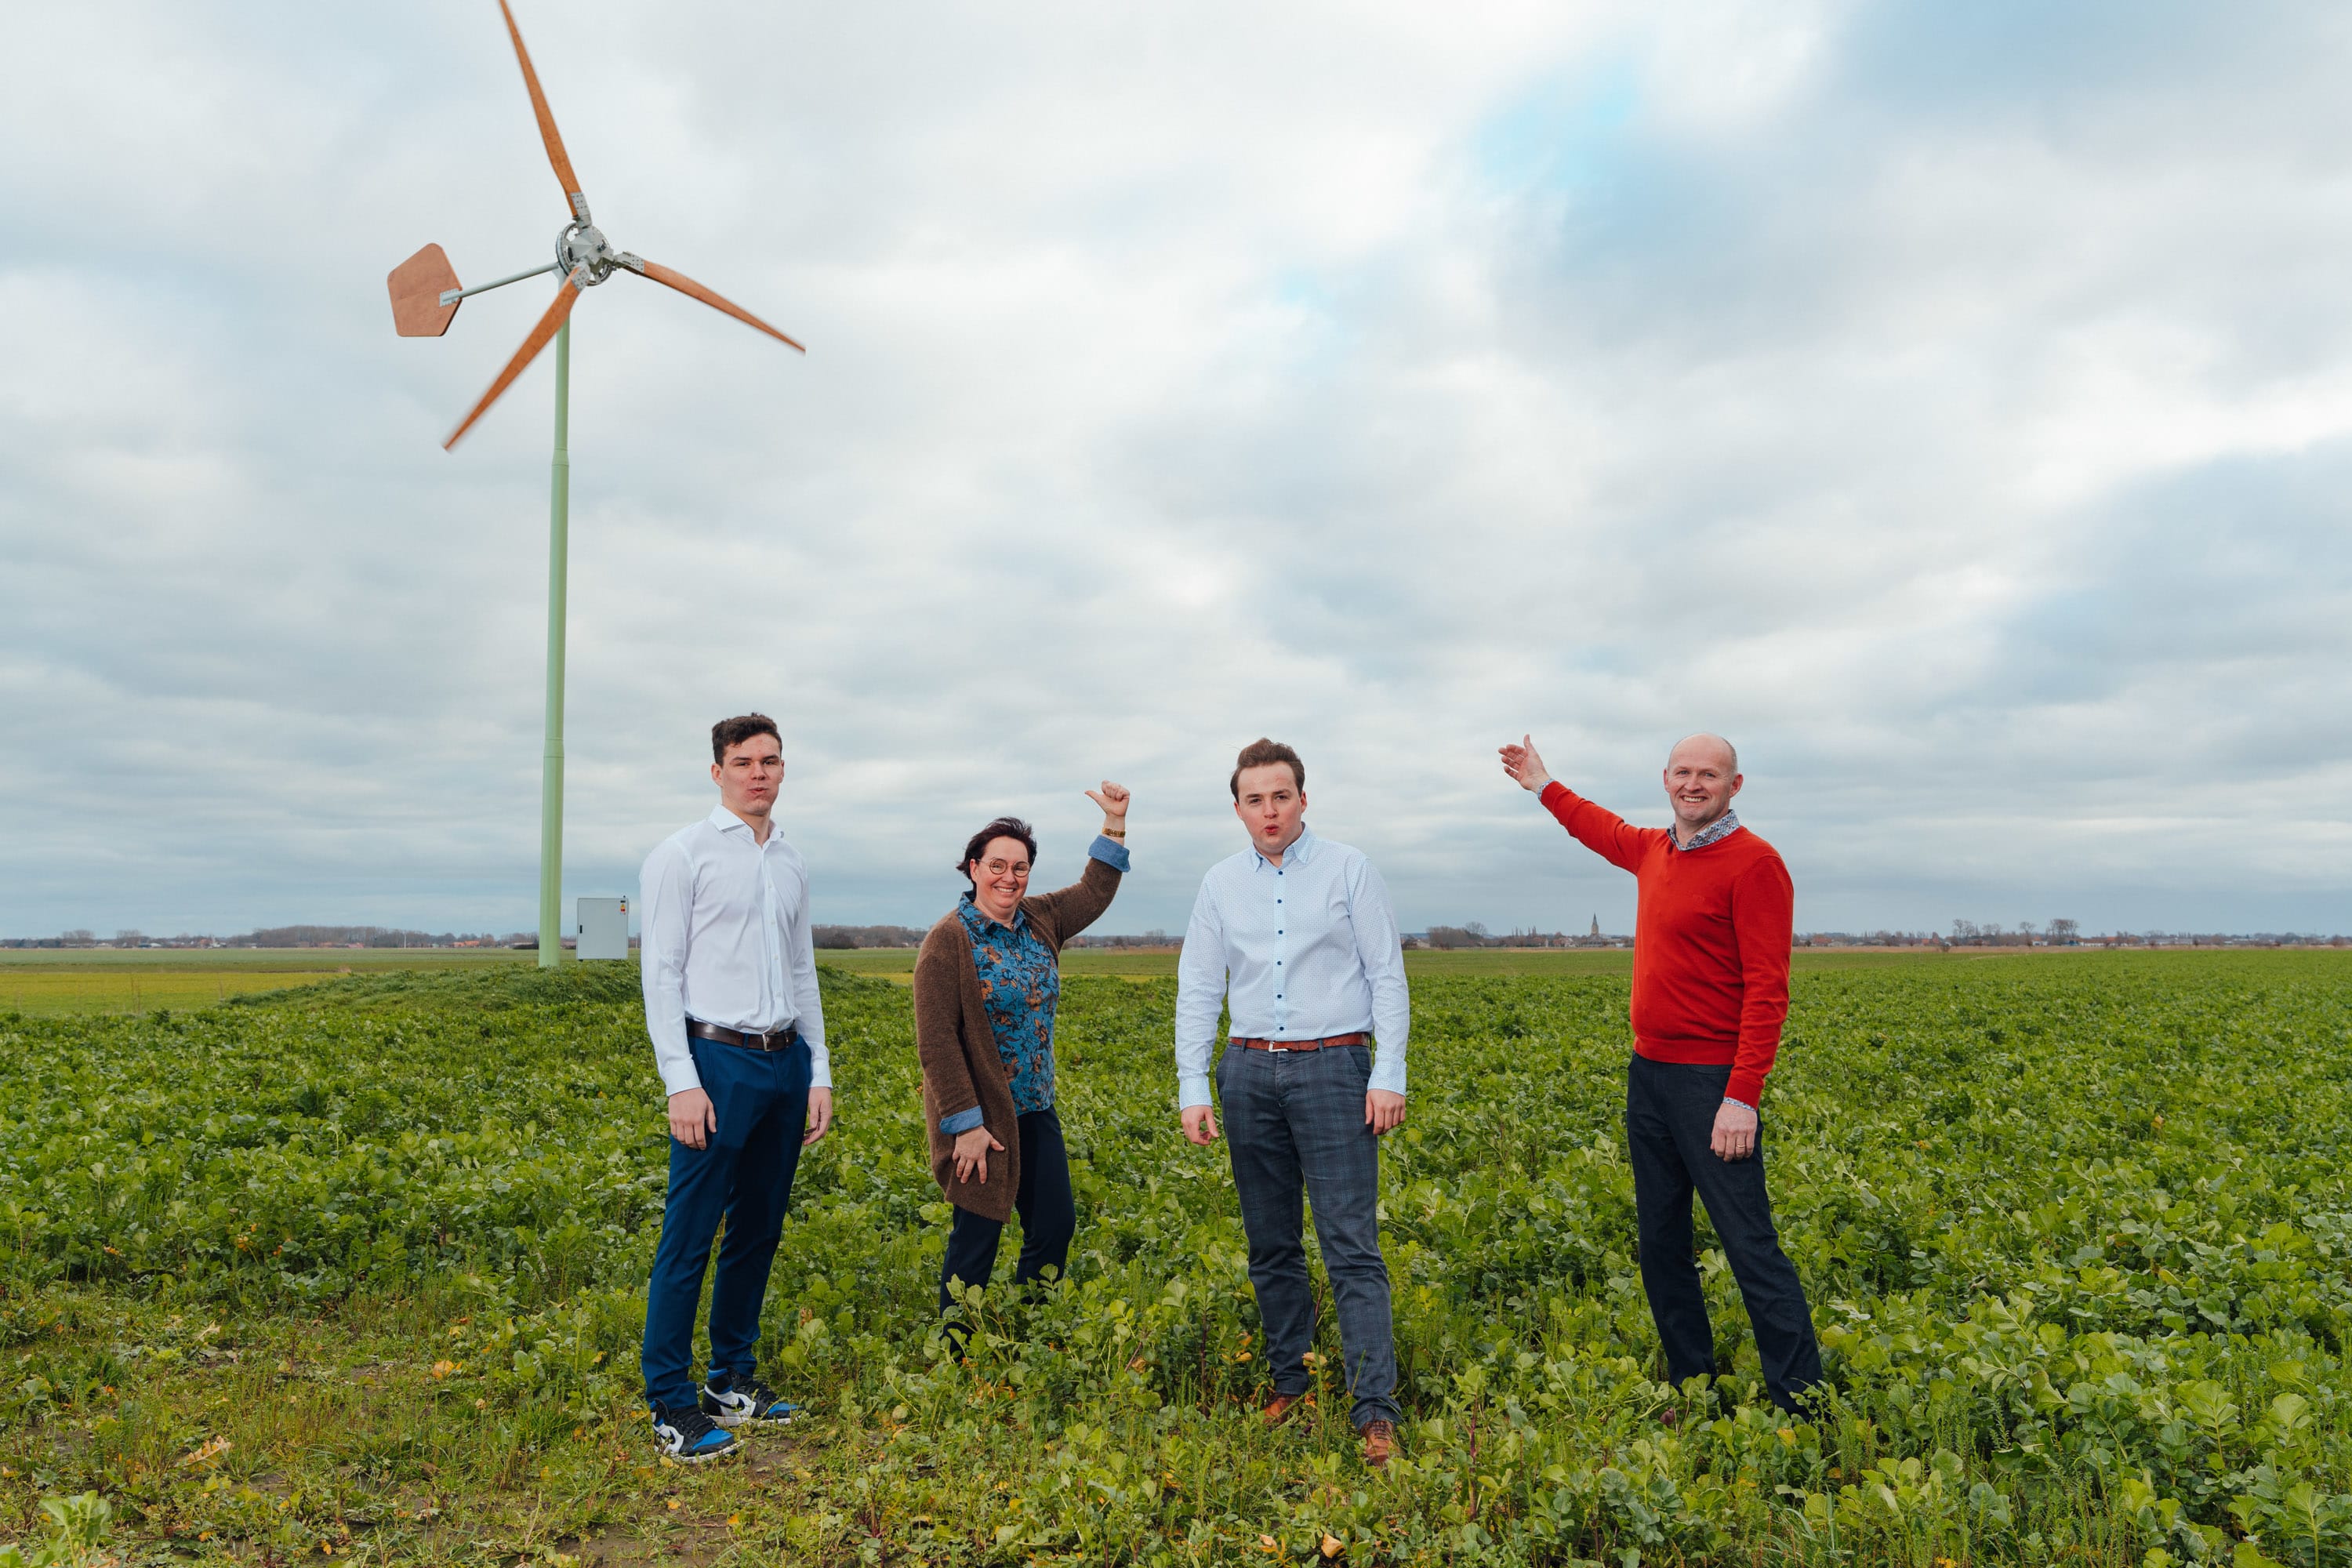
(1952, 409)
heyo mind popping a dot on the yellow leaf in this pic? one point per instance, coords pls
(1332, 1546)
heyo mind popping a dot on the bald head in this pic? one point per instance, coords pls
(1702, 775)
(1714, 748)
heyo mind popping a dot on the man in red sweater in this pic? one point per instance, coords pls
(1710, 993)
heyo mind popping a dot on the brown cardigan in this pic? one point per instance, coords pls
(961, 1066)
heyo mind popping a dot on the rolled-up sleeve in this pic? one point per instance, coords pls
(1111, 852)
(664, 898)
(1380, 948)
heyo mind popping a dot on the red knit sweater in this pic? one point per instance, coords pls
(1710, 940)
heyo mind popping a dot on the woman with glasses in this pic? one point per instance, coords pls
(986, 983)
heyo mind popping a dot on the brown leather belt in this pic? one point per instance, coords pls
(774, 1040)
(1248, 1044)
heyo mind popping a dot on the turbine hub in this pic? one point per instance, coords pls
(583, 244)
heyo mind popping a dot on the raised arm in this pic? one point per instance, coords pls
(1075, 908)
(1604, 832)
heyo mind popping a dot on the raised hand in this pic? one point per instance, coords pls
(1524, 766)
(1112, 798)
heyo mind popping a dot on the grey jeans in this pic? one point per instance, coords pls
(1294, 1121)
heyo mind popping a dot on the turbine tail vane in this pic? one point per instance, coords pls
(556, 156)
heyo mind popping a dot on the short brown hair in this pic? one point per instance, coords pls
(1002, 827)
(1258, 754)
(736, 730)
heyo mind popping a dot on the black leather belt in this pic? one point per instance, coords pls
(774, 1040)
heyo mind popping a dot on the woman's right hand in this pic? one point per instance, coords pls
(971, 1151)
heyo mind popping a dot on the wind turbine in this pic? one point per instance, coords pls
(424, 299)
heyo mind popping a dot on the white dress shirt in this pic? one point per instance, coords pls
(1303, 951)
(727, 941)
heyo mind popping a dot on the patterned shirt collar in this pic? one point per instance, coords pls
(1714, 832)
(979, 920)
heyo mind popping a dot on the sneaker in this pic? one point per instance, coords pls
(1380, 1442)
(690, 1436)
(746, 1400)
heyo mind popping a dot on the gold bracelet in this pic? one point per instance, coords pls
(1114, 833)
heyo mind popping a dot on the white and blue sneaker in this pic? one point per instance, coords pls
(690, 1436)
(746, 1401)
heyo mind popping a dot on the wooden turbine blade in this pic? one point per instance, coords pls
(693, 290)
(567, 294)
(417, 285)
(556, 156)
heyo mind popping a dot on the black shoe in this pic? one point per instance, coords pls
(690, 1436)
(746, 1401)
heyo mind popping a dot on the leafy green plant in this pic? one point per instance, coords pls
(2077, 1234)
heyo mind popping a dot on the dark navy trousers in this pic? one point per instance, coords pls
(1049, 1218)
(1295, 1128)
(744, 1175)
(1670, 1110)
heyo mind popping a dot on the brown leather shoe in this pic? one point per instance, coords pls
(1278, 1408)
(1380, 1442)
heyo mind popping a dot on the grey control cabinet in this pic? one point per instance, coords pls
(604, 928)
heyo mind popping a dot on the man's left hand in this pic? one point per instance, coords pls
(820, 1116)
(1383, 1111)
(1735, 1132)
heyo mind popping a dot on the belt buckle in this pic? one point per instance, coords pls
(1273, 1049)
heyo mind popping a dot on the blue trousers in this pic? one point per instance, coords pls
(745, 1176)
(1294, 1124)
(1669, 1128)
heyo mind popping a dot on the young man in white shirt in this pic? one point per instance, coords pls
(1297, 933)
(738, 1034)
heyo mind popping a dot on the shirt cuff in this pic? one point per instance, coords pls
(1191, 1089)
(1110, 851)
(1387, 1072)
(961, 1122)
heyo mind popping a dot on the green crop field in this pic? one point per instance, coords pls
(349, 1271)
(47, 981)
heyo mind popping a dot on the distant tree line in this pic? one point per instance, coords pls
(865, 936)
(2059, 934)
(1474, 933)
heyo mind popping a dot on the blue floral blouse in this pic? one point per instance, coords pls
(1021, 982)
(1022, 986)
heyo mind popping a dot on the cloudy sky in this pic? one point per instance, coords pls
(1951, 404)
